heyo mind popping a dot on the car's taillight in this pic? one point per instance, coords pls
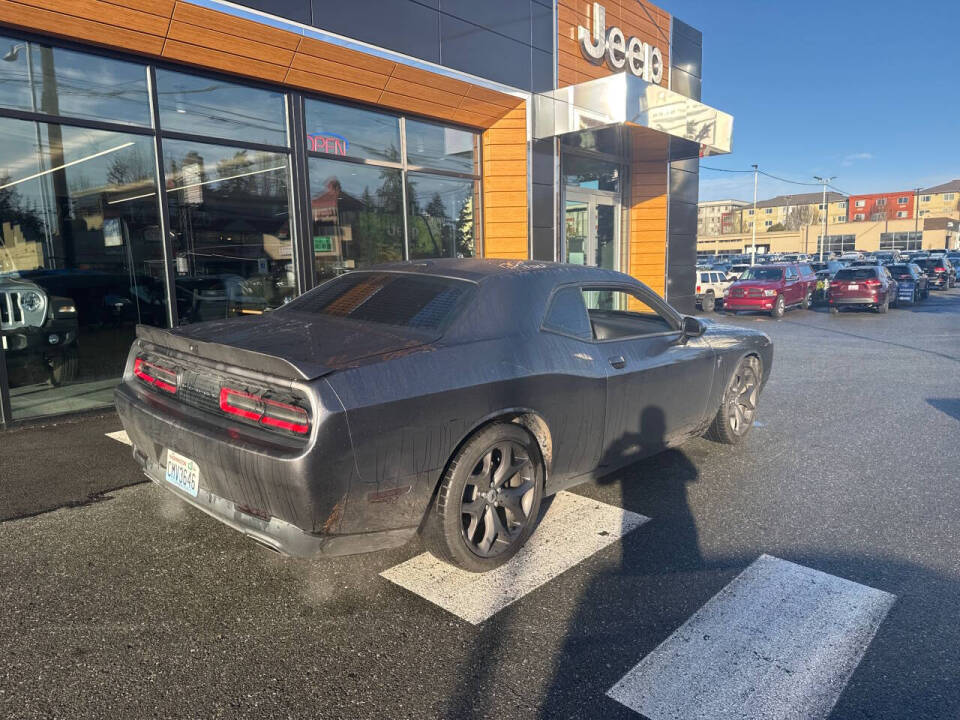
(871, 282)
(264, 411)
(698, 288)
(153, 374)
(940, 269)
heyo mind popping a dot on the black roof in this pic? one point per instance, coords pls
(478, 269)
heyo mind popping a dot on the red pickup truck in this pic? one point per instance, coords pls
(772, 288)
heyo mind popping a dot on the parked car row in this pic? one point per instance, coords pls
(867, 283)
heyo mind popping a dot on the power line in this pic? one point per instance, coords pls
(793, 182)
(706, 167)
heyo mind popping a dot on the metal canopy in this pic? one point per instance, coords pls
(625, 99)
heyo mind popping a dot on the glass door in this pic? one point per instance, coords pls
(591, 229)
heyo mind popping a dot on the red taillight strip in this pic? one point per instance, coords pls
(140, 367)
(264, 417)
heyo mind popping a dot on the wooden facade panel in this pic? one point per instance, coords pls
(493, 231)
(428, 79)
(473, 119)
(106, 13)
(331, 86)
(496, 168)
(196, 55)
(241, 47)
(415, 105)
(418, 91)
(505, 183)
(345, 56)
(510, 136)
(482, 94)
(505, 214)
(240, 27)
(163, 8)
(515, 151)
(500, 198)
(75, 28)
(331, 69)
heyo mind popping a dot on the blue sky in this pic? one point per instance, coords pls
(866, 91)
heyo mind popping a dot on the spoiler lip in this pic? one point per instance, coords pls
(234, 356)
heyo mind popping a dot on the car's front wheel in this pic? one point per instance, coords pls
(489, 499)
(738, 407)
(708, 303)
(779, 307)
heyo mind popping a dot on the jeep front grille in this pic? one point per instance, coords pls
(11, 314)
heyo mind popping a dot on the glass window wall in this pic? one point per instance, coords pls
(86, 252)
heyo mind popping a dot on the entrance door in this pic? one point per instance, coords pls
(592, 229)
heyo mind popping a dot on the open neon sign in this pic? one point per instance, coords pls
(328, 143)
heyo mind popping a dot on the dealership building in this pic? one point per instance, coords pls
(166, 162)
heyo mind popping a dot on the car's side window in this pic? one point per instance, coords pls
(791, 274)
(617, 313)
(721, 277)
(568, 315)
(714, 278)
(704, 277)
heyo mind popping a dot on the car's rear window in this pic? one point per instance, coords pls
(398, 299)
(902, 269)
(861, 273)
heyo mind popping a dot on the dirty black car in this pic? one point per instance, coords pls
(444, 397)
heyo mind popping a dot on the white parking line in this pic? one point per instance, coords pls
(780, 641)
(120, 436)
(572, 530)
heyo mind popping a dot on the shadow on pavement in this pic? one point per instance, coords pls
(948, 406)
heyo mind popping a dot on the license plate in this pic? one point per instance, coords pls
(853, 286)
(183, 473)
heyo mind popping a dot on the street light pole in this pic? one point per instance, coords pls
(753, 251)
(823, 236)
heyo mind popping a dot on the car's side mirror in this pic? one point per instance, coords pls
(691, 328)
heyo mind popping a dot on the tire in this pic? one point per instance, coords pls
(64, 367)
(738, 408)
(807, 301)
(884, 306)
(779, 308)
(895, 303)
(708, 303)
(475, 522)
(834, 310)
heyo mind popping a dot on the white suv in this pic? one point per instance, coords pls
(711, 285)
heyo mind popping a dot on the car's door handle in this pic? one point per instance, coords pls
(618, 362)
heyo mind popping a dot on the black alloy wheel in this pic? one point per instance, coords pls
(738, 408)
(489, 499)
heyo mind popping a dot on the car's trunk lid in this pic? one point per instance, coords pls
(289, 345)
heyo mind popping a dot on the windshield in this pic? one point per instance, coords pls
(398, 299)
(762, 273)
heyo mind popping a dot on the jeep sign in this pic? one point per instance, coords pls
(642, 59)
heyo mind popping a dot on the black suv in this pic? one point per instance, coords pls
(911, 273)
(938, 270)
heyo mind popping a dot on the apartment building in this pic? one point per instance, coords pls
(940, 200)
(790, 212)
(719, 217)
(882, 206)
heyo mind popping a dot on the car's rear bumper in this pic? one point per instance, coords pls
(274, 533)
(855, 301)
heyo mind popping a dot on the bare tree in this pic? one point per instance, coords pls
(799, 215)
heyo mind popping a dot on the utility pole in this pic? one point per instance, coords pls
(823, 236)
(753, 251)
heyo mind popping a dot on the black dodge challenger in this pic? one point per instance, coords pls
(446, 397)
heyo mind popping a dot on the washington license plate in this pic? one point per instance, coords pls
(183, 473)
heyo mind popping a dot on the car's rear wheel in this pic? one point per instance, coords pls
(708, 302)
(884, 306)
(779, 307)
(807, 301)
(739, 405)
(834, 310)
(489, 499)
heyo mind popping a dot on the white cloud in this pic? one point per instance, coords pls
(850, 159)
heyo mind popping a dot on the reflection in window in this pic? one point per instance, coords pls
(215, 107)
(80, 259)
(229, 216)
(352, 132)
(357, 215)
(441, 222)
(445, 148)
(72, 83)
(591, 173)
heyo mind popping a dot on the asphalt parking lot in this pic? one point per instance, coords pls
(125, 603)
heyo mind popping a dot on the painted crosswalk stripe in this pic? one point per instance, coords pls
(120, 436)
(572, 530)
(780, 641)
